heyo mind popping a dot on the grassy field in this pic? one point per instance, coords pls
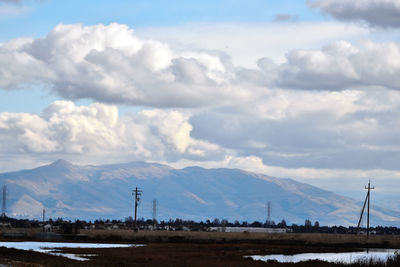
(378, 241)
(168, 248)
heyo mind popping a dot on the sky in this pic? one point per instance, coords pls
(301, 89)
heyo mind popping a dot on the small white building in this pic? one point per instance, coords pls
(5, 225)
(249, 229)
(186, 229)
(47, 228)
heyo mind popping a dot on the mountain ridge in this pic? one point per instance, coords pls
(93, 191)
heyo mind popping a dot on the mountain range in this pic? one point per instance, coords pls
(91, 192)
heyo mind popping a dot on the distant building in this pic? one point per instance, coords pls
(249, 229)
(47, 228)
(186, 229)
(5, 225)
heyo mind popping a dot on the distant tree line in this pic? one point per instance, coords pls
(68, 226)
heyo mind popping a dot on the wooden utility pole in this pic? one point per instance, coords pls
(136, 194)
(44, 214)
(367, 198)
(4, 205)
(154, 212)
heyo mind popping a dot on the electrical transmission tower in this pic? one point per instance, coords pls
(4, 203)
(154, 211)
(269, 213)
(136, 194)
(367, 198)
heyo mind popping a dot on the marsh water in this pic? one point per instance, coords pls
(376, 255)
(53, 248)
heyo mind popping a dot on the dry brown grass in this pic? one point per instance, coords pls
(176, 254)
(387, 241)
(170, 248)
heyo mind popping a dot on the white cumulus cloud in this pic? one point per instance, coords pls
(111, 64)
(97, 131)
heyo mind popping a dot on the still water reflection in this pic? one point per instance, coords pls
(53, 247)
(378, 255)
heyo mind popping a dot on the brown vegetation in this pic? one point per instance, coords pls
(309, 239)
(164, 248)
(170, 254)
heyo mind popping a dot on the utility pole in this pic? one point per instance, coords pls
(44, 216)
(136, 194)
(367, 198)
(4, 203)
(269, 213)
(154, 212)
